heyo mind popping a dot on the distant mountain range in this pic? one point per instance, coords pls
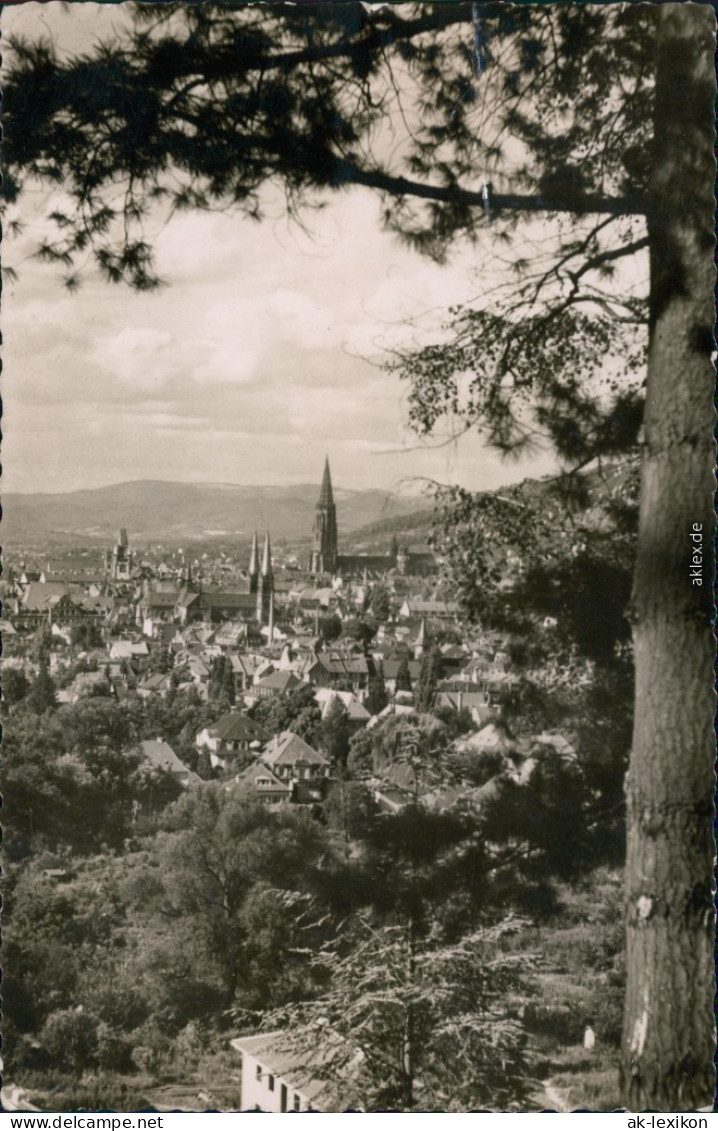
(159, 511)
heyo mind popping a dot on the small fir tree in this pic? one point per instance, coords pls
(427, 683)
(403, 679)
(377, 697)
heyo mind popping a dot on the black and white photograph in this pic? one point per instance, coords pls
(358, 557)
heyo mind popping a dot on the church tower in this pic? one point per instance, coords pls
(324, 535)
(254, 566)
(120, 560)
(265, 588)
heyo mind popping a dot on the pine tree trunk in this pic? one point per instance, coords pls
(408, 1039)
(668, 1038)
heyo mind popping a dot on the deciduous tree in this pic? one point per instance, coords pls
(42, 695)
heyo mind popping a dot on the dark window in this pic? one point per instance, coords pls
(297, 1102)
(271, 1083)
(284, 1097)
(259, 1072)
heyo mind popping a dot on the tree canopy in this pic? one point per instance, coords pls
(202, 105)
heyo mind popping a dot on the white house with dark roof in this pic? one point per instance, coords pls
(276, 1078)
(290, 757)
(234, 733)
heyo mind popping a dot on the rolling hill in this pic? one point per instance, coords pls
(163, 511)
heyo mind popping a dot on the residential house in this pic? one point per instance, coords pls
(244, 669)
(157, 684)
(357, 714)
(130, 650)
(215, 605)
(476, 702)
(230, 636)
(291, 758)
(198, 669)
(156, 606)
(453, 657)
(492, 738)
(275, 1078)
(276, 683)
(53, 602)
(81, 569)
(415, 608)
(392, 799)
(334, 667)
(234, 733)
(391, 667)
(161, 755)
(262, 784)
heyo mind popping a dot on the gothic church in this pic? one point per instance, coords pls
(325, 557)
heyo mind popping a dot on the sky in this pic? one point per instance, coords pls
(262, 354)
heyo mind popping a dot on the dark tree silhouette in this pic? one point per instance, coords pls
(42, 695)
(377, 697)
(335, 733)
(403, 676)
(427, 683)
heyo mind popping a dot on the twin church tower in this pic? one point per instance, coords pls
(261, 582)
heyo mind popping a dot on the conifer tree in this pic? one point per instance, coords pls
(427, 683)
(403, 678)
(377, 697)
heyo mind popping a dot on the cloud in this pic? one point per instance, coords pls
(304, 322)
(137, 356)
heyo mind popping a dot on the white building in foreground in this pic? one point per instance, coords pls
(272, 1079)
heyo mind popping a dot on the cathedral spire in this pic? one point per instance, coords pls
(254, 557)
(267, 558)
(265, 588)
(254, 566)
(324, 534)
(326, 495)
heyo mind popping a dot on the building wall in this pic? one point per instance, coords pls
(263, 1091)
